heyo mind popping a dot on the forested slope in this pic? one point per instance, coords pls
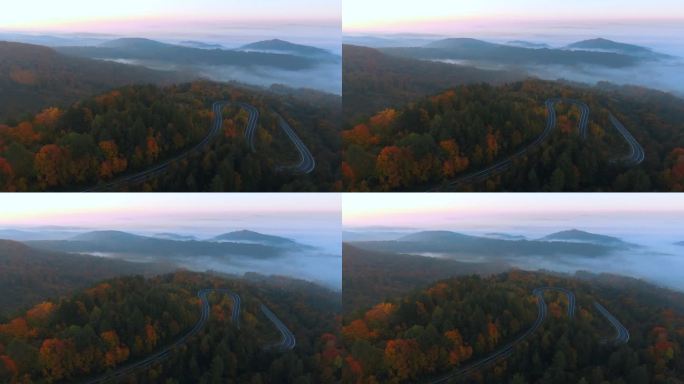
(121, 321)
(430, 332)
(435, 140)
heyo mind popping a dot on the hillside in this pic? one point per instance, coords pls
(173, 135)
(160, 325)
(503, 328)
(282, 46)
(601, 44)
(29, 275)
(521, 137)
(369, 276)
(583, 236)
(247, 236)
(34, 77)
(374, 80)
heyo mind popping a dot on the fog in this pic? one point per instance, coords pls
(655, 258)
(661, 37)
(319, 262)
(316, 266)
(324, 77)
(667, 75)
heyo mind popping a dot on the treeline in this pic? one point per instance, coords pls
(98, 329)
(438, 139)
(223, 354)
(433, 331)
(124, 320)
(134, 128)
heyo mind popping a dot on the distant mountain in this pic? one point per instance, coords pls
(54, 40)
(29, 275)
(452, 243)
(505, 236)
(134, 43)
(201, 45)
(527, 44)
(43, 234)
(152, 52)
(370, 235)
(245, 236)
(277, 45)
(107, 236)
(605, 45)
(34, 77)
(436, 236)
(481, 51)
(680, 243)
(123, 243)
(387, 41)
(174, 236)
(582, 236)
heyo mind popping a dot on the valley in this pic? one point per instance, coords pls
(67, 109)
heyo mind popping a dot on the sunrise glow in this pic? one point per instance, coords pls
(443, 16)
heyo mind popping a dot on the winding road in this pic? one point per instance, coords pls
(287, 343)
(250, 130)
(506, 350)
(621, 333)
(635, 157)
(158, 169)
(306, 163)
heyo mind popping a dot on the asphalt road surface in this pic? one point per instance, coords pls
(306, 163)
(287, 343)
(250, 130)
(287, 340)
(636, 156)
(621, 333)
(506, 350)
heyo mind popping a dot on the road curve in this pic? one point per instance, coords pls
(250, 130)
(306, 163)
(158, 169)
(635, 157)
(287, 340)
(621, 333)
(505, 350)
(162, 354)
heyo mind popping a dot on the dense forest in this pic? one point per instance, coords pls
(134, 128)
(123, 320)
(429, 332)
(437, 139)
